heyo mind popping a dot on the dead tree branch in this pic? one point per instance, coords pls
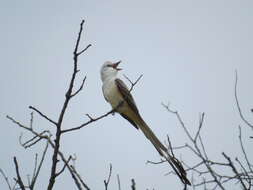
(133, 83)
(212, 172)
(118, 180)
(42, 115)
(46, 135)
(37, 170)
(68, 97)
(133, 185)
(19, 179)
(6, 179)
(238, 105)
(106, 182)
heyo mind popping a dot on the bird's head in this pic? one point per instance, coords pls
(109, 70)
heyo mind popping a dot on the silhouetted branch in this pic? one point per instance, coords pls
(88, 122)
(207, 168)
(106, 182)
(244, 152)
(42, 115)
(80, 88)
(79, 53)
(19, 180)
(118, 180)
(231, 164)
(79, 177)
(6, 179)
(133, 83)
(37, 171)
(68, 96)
(133, 184)
(238, 105)
(63, 168)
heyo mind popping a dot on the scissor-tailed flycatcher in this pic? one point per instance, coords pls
(117, 94)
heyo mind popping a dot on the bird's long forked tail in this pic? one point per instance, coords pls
(163, 151)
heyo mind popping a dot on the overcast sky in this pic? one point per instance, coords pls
(188, 52)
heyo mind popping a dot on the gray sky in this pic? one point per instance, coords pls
(188, 52)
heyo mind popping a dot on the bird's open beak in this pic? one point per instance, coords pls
(115, 66)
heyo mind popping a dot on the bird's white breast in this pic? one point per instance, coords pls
(111, 93)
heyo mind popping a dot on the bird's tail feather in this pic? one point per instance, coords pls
(163, 151)
(151, 136)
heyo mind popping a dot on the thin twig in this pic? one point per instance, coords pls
(118, 180)
(19, 180)
(74, 176)
(5, 178)
(80, 88)
(133, 184)
(88, 122)
(79, 177)
(106, 182)
(133, 83)
(238, 105)
(35, 166)
(31, 120)
(34, 179)
(79, 53)
(63, 168)
(243, 150)
(234, 169)
(42, 115)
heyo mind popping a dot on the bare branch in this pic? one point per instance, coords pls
(31, 120)
(243, 150)
(133, 185)
(79, 53)
(72, 171)
(234, 169)
(152, 162)
(29, 143)
(88, 122)
(35, 167)
(19, 180)
(118, 180)
(133, 83)
(91, 119)
(201, 121)
(42, 115)
(75, 178)
(6, 179)
(179, 119)
(238, 105)
(170, 146)
(79, 177)
(106, 182)
(202, 155)
(36, 172)
(63, 168)
(68, 97)
(80, 88)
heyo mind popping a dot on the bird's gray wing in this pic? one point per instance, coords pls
(128, 98)
(126, 95)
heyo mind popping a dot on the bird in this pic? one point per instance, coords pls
(116, 93)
